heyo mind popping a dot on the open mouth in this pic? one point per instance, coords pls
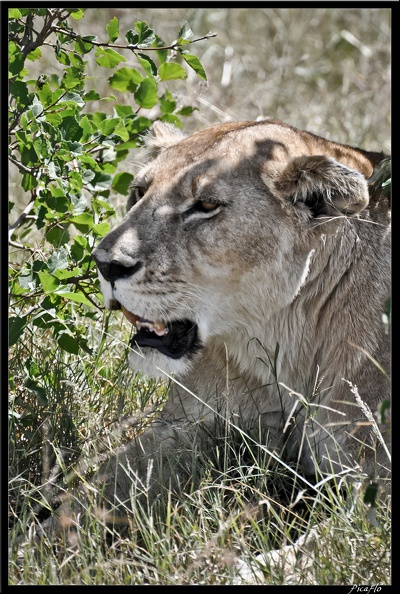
(173, 339)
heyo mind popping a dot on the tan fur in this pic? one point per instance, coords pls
(280, 262)
(292, 261)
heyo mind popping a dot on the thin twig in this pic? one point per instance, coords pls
(131, 47)
(19, 246)
(21, 167)
(22, 216)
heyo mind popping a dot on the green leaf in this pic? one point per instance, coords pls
(78, 13)
(91, 95)
(76, 297)
(146, 93)
(101, 229)
(78, 65)
(45, 95)
(146, 36)
(28, 182)
(73, 98)
(19, 90)
(58, 260)
(194, 63)
(147, 64)
(73, 77)
(84, 222)
(77, 251)
(167, 103)
(123, 110)
(122, 132)
(66, 274)
(108, 57)
(108, 125)
(83, 241)
(122, 182)
(48, 281)
(88, 127)
(32, 368)
(54, 119)
(36, 54)
(28, 153)
(71, 129)
(171, 119)
(113, 30)
(62, 57)
(125, 79)
(12, 49)
(101, 181)
(90, 162)
(16, 326)
(185, 35)
(37, 107)
(99, 206)
(186, 111)
(170, 70)
(34, 387)
(97, 117)
(67, 342)
(14, 13)
(58, 236)
(132, 37)
(83, 343)
(162, 54)
(73, 147)
(83, 45)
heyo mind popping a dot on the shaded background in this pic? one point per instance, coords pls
(326, 70)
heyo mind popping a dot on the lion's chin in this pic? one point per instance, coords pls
(162, 354)
(154, 364)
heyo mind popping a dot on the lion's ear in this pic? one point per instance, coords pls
(324, 185)
(164, 135)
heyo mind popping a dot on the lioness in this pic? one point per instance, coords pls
(255, 268)
(239, 238)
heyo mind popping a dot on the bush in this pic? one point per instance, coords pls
(67, 155)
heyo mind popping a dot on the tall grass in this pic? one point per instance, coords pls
(218, 530)
(326, 70)
(238, 504)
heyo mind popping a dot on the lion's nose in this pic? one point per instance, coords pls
(114, 270)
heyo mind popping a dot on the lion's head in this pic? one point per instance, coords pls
(219, 234)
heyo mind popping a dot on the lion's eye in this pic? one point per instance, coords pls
(139, 192)
(204, 206)
(204, 209)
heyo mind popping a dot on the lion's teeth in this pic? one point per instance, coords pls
(158, 327)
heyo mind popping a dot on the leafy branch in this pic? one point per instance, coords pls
(51, 16)
(65, 156)
(145, 47)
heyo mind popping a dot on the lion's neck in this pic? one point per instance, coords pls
(310, 336)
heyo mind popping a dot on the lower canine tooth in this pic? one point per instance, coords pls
(160, 329)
